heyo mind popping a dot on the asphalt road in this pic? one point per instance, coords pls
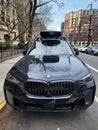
(92, 62)
(82, 120)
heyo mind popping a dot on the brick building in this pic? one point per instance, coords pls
(77, 26)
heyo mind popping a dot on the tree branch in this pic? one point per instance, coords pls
(25, 25)
(43, 4)
(18, 36)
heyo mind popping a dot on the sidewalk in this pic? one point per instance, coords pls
(5, 66)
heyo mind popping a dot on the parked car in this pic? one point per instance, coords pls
(50, 77)
(82, 48)
(89, 50)
(92, 50)
(95, 50)
(75, 47)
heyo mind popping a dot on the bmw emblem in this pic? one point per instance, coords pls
(49, 76)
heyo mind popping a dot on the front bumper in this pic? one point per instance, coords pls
(95, 53)
(51, 104)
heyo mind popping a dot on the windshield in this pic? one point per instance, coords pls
(58, 49)
(95, 47)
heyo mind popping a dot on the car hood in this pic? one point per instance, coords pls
(68, 67)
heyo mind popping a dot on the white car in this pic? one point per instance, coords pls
(82, 48)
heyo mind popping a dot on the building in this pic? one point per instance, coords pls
(22, 8)
(80, 25)
(14, 21)
(8, 21)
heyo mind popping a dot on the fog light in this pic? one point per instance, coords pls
(86, 103)
(89, 96)
(9, 97)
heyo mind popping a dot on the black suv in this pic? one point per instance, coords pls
(49, 78)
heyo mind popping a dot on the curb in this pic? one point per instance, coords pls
(2, 104)
(8, 58)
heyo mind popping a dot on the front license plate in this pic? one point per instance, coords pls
(49, 105)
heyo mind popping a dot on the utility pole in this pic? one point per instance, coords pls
(79, 32)
(90, 22)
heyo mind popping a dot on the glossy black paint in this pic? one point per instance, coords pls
(67, 68)
(48, 70)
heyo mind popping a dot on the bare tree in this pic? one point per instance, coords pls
(34, 5)
(25, 17)
(31, 10)
(22, 16)
(9, 21)
(45, 15)
(7, 24)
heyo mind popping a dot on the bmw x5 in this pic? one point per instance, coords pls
(50, 77)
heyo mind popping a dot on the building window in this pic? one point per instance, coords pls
(14, 23)
(84, 13)
(7, 2)
(13, 9)
(14, 33)
(8, 18)
(1, 2)
(6, 37)
(2, 16)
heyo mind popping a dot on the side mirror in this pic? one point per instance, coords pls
(76, 52)
(24, 52)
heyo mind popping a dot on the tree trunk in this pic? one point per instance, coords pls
(11, 49)
(30, 32)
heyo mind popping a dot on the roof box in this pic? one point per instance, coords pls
(50, 34)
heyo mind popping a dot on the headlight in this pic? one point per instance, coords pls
(87, 78)
(11, 78)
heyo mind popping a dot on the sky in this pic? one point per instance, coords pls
(58, 14)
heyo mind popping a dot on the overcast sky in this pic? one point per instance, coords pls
(58, 14)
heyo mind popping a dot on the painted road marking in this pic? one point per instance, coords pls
(58, 128)
(92, 68)
(96, 99)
